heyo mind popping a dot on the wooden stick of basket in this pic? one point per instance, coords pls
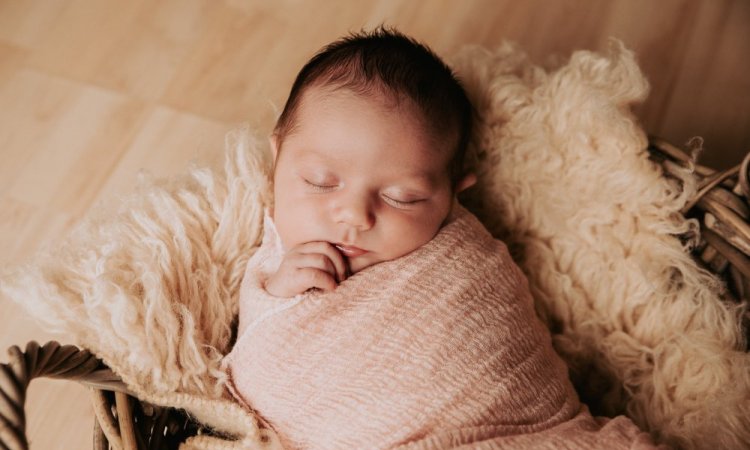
(722, 207)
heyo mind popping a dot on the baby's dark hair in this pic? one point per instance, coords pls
(387, 61)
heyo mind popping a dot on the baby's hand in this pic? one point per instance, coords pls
(310, 265)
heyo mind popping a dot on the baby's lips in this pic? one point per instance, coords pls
(350, 251)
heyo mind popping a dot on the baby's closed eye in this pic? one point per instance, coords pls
(401, 203)
(320, 186)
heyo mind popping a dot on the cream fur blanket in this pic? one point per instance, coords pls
(152, 288)
(564, 179)
(439, 348)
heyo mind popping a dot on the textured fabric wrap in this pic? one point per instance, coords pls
(441, 346)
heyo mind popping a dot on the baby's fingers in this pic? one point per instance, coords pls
(315, 278)
(334, 257)
(316, 261)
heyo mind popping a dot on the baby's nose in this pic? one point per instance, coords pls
(356, 214)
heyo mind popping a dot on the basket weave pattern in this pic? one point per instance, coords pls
(722, 207)
(122, 421)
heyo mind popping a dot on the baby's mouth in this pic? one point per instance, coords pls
(350, 251)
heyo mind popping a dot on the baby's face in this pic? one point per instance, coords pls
(362, 174)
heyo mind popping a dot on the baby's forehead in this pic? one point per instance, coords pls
(335, 118)
(323, 99)
(377, 98)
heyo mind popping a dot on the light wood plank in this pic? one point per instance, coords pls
(133, 47)
(166, 145)
(25, 22)
(711, 97)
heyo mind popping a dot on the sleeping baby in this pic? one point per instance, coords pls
(378, 312)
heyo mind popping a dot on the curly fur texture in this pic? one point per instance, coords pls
(152, 288)
(565, 179)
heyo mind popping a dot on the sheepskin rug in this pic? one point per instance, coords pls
(564, 178)
(152, 288)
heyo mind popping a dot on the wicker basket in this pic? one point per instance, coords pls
(125, 422)
(722, 207)
(122, 421)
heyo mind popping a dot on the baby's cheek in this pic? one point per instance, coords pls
(409, 235)
(286, 224)
(297, 220)
(293, 233)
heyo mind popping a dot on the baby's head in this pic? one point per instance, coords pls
(369, 149)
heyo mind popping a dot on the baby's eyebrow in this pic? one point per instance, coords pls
(320, 156)
(417, 182)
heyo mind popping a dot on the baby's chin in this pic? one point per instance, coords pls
(363, 262)
(360, 263)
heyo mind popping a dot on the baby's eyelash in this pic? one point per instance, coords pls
(400, 203)
(319, 187)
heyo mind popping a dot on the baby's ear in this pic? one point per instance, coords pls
(466, 182)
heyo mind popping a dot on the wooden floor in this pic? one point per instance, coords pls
(93, 91)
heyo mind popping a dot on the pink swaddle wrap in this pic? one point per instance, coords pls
(435, 349)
